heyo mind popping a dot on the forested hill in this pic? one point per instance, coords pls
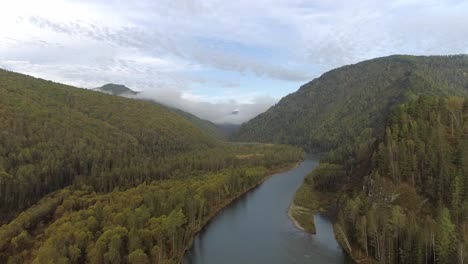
(207, 126)
(343, 103)
(88, 177)
(408, 203)
(412, 207)
(52, 133)
(395, 176)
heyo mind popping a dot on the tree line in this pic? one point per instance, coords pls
(151, 223)
(413, 203)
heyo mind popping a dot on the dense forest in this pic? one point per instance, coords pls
(214, 130)
(395, 175)
(151, 223)
(91, 177)
(53, 135)
(334, 109)
(414, 204)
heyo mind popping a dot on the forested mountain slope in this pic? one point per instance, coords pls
(412, 207)
(409, 202)
(395, 176)
(107, 179)
(54, 134)
(228, 129)
(207, 126)
(339, 105)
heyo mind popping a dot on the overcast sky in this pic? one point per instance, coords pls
(211, 57)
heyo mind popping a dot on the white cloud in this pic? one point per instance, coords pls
(216, 109)
(180, 49)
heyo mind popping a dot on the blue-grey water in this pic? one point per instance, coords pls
(256, 229)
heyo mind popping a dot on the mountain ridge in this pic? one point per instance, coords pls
(116, 89)
(343, 95)
(395, 174)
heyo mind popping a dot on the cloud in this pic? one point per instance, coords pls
(368, 29)
(209, 56)
(132, 71)
(230, 62)
(217, 109)
(152, 41)
(220, 111)
(124, 36)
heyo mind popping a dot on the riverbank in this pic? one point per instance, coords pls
(305, 204)
(302, 218)
(356, 254)
(235, 198)
(318, 202)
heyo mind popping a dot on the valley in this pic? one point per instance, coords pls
(233, 132)
(93, 177)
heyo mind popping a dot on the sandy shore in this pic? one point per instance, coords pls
(293, 208)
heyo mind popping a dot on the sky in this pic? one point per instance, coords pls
(213, 57)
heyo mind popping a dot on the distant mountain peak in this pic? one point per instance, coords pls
(116, 89)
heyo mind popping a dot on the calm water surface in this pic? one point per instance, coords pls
(256, 229)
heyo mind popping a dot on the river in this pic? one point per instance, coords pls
(256, 228)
